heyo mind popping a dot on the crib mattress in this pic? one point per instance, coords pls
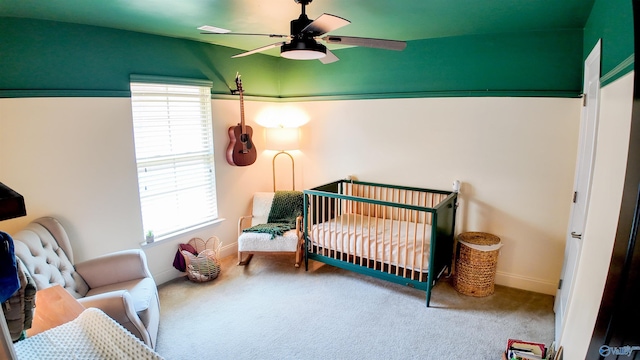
(393, 242)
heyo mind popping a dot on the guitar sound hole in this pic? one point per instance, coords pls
(244, 137)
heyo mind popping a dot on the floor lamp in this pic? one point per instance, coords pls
(283, 139)
(11, 206)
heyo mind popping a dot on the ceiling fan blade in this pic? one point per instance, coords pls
(250, 34)
(263, 48)
(212, 30)
(366, 42)
(324, 24)
(331, 57)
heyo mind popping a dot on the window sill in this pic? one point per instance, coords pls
(179, 234)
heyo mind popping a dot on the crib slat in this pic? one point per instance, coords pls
(347, 243)
(423, 248)
(326, 221)
(399, 239)
(409, 269)
(416, 217)
(384, 230)
(406, 194)
(406, 245)
(389, 240)
(319, 234)
(362, 234)
(339, 234)
(375, 244)
(319, 219)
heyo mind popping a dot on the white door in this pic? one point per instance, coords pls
(582, 185)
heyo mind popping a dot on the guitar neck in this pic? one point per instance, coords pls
(244, 129)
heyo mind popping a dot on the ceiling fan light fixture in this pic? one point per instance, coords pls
(303, 50)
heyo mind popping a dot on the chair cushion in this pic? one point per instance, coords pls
(47, 262)
(256, 242)
(261, 207)
(143, 292)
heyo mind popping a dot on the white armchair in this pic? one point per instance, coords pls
(120, 284)
(251, 242)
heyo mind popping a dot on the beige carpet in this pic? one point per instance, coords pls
(271, 310)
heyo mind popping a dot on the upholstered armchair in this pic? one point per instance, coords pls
(249, 243)
(120, 284)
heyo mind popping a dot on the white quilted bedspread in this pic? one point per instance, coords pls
(93, 335)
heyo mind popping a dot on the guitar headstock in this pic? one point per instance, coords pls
(238, 82)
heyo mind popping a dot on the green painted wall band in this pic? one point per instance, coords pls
(620, 70)
(169, 80)
(36, 93)
(611, 21)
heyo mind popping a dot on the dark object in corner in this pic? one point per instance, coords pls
(11, 203)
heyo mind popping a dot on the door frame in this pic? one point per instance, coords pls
(586, 152)
(616, 323)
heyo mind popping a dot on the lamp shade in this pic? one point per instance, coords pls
(282, 139)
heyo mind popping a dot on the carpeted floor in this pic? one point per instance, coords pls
(271, 310)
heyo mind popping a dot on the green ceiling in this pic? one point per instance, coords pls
(392, 19)
(455, 48)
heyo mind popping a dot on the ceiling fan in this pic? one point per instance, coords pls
(303, 44)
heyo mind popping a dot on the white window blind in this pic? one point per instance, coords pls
(174, 154)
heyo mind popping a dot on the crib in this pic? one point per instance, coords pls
(396, 233)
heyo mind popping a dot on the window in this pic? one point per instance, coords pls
(174, 153)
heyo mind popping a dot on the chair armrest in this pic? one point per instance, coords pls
(119, 306)
(114, 268)
(242, 223)
(299, 227)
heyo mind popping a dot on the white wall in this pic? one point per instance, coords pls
(515, 157)
(73, 158)
(612, 148)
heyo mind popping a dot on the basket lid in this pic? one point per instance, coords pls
(479, 238)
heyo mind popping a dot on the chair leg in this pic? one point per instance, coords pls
(298, 256)
(245, 261)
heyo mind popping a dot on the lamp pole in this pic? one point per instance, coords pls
(293, 169)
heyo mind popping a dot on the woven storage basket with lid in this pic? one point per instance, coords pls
(476, 263)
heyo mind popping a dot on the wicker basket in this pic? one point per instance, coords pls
(476, 263)
(205, 266)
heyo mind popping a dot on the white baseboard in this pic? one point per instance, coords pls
(228, 250)
(526, 283)
(171, 273)
(166, 276)
(502, 278)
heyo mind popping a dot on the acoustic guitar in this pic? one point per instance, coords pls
(241, 150)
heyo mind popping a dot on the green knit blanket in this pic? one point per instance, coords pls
(286, 207)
